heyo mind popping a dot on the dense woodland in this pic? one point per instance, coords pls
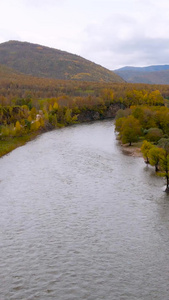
(30, 105)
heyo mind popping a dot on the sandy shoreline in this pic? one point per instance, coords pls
(131, 150)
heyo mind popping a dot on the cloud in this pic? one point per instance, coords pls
(126, 40)
(43, 3)
(142, 51)
(6, 33)
(109, 32)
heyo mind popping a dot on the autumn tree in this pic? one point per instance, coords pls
(145, 149)
(119, 125)
(155, 154)
(154, 134)
(18, 127)
(130, 130)
(164, 163)
(108, 95)
(155, 98)
(164, 160)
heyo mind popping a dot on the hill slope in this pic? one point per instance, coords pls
(41, 61)
(9, 73)
(158, 74)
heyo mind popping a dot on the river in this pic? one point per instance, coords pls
(79, 219)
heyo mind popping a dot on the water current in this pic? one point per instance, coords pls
(79, 219)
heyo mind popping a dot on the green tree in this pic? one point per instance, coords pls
(154, 134)
(148, 119)
(130, 131)
(108, 95)
(123, 113)
(154, 157)
(119, 124)
(145, 149)
(68, 116)
(155, 98)
(164, 143)
(164, 164)
(164, 160)
(52, 118)
(18, 127)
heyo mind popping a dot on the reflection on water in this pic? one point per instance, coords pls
(81, 220)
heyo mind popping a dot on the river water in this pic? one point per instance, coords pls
(79, 219)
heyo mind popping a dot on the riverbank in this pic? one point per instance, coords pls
(133, 150)
(11, 143)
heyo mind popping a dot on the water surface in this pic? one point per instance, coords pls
(81, 220)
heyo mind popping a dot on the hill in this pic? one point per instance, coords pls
(9, 73)
(41, 61)
(158, 74)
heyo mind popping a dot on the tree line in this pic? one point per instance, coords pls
(148, 123)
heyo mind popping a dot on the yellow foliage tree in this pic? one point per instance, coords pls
(35, 125)
(18, 127)
(30, 119)
(55, 106)
(50, 107)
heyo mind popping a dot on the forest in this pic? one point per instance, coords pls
(30, 105)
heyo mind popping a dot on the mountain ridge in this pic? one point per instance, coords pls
(155, 74)
(42, 61)
(145, 69)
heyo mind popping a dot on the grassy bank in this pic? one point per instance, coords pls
(11, 143)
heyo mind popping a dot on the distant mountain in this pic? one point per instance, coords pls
(41, 61)
(145, 69)
(158, 74)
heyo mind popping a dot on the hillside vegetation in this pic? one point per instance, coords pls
(41, 61)
(16, 87)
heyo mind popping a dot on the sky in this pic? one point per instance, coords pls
(111, 33)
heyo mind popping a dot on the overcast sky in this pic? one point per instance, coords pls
(112, 33)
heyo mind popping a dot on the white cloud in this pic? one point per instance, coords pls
(109, 32)
(129, 39)
(6, 33)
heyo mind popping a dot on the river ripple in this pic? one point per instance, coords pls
(81, 220)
